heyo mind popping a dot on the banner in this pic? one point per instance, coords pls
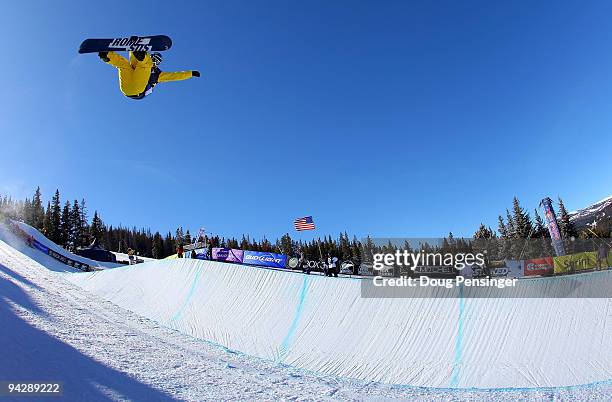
(575, 262)
(227, 254)
(37, 245)
(553, 228)
(513, 269)
(435, 271)
(264, 259)
(201, 254)
(501, 268)
(539, 266)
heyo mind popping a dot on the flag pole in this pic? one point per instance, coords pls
(313, 228)
(319, 244)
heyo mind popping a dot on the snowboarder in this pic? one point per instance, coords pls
(139, 75)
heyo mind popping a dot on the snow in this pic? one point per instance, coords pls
(324, 325)
(593, 213)
(594, 206)
(107, 345)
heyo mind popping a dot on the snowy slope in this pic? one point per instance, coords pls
(324, 325)
(593, 213)
(53, 330)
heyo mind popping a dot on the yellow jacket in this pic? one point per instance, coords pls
(137, 78)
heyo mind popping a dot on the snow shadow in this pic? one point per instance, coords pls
(30, 354)
(18, 277)
(10, 291)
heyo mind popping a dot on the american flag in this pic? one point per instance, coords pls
(305, 223)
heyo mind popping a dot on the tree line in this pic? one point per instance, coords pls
(68, 225)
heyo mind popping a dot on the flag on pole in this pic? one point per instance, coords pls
(305, 223)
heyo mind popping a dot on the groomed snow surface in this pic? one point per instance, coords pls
(196, 330)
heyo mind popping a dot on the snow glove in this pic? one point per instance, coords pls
(195, 73)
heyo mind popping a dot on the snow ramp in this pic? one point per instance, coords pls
(10, 238)
(324, 325)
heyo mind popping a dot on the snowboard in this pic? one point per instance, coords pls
(154, 43)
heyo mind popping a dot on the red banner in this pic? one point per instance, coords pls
(539, 266)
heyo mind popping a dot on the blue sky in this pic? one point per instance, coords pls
(383, 118)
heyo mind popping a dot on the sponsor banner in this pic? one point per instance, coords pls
(445, 271)
(314, 265)
(553, 228)
(539, 266)
(347, 267)
(264, 259)
(37, 245)
(65, 260)
(201, 254)
(227, 254)
(575, 262)
(365, 269)
(513, 269)
(496, 269)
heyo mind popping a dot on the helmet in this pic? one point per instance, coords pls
(157, 58)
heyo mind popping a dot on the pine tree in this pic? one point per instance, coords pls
(56, 219)
(501, 228)
(179, 241)
(76, 225)
(96, 228)
(483, 232)
(38, 212)
(66, 226)
(187, 238)
(27, 212)
(286, 244)
(157, 249)
(47, 221)
(245, 243)
(523, 226)
(510, 228)
(568, 231)
(169, 247)
(84, 240)
(356, 251)
(540, 228)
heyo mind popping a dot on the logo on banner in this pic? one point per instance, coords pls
(539, 266)
(227, 254)
(265, 259)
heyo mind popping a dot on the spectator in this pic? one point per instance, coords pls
(331, 266)
(179, 251)
(602, 256)
(193, 254)
(301, 263)
(131, 256)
